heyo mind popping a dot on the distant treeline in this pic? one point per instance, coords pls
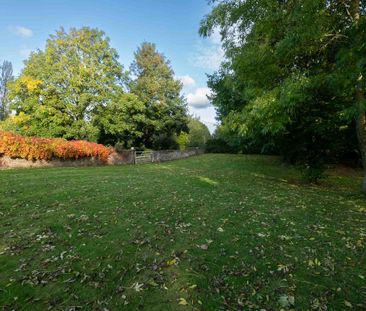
(77, 89)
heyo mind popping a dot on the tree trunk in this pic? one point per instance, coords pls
(359, 98)
(361, 132)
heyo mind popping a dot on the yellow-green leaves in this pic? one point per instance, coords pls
(76, 74)
(172, 262)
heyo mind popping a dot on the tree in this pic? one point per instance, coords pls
(292, 76)
(6, 75)
(62, 89)
(198, 133)
(155, 86)
(358, 45)
(121, 121)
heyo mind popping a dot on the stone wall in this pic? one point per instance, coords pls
(119, 157)
(169, 155)
(6, 162)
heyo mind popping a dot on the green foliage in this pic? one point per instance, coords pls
(197, 136)
(219, 145)
(156, 88)
(312, 172)
(164, 141)
(75, 89)
(183, 140)
(198, 133)
(63, 88)
(227, 97)
(122, 121)
(289, 80)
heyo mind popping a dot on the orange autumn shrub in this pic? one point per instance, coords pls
(37, 148)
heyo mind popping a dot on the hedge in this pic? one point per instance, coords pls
(36, 148)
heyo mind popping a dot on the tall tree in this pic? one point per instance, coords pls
(360, 87)
(154, 84)
(293, 74)
(61, 90)
(6, 75)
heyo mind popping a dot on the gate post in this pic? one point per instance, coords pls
(133, 155)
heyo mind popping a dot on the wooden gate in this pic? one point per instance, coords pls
(143, 157)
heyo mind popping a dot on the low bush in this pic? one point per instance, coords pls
(218, 145)
(36, 148)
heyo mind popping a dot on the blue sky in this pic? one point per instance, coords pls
(171, 24)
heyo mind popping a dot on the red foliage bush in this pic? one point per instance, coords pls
(36, 148)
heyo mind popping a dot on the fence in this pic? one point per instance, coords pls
(143, 156)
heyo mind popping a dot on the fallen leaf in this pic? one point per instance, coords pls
(347, 304)
(182, 302)
(137, 286)
(171, 262)
(286, 301)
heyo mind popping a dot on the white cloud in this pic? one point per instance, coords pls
(208, 55)
(21, 31)
(215, 37)
(198, 99)
(207, 116)
(186, 80)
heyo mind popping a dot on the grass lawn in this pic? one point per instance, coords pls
(213, 232)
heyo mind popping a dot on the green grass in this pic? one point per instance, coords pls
(223, 232)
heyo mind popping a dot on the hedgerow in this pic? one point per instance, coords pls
(37, 148)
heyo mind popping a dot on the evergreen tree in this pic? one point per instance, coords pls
(155, 86)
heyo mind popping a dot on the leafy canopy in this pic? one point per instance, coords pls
(289, 79)
(156, 87)
(76, 89)
(61, 90)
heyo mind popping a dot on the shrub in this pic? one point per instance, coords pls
(36, 148)
(311, 173)
(182, 140)
(218, 145)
